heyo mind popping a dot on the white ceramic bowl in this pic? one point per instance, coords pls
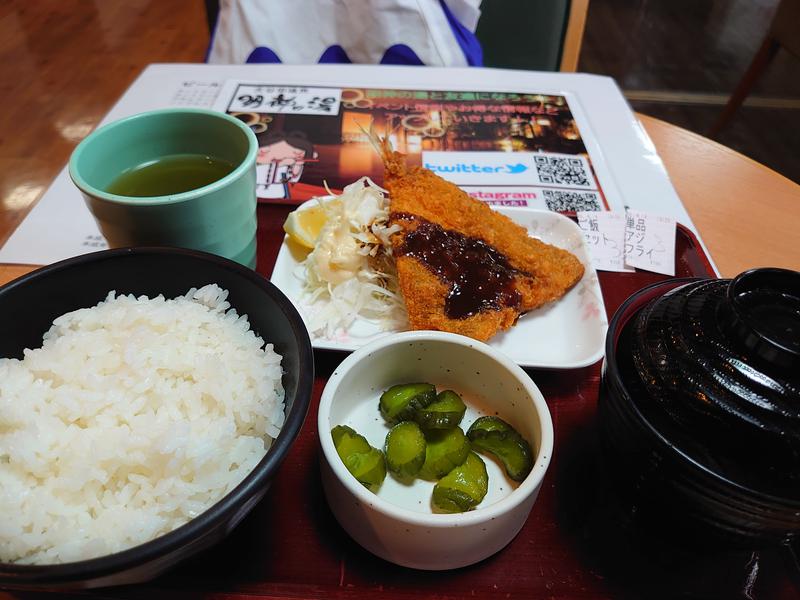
(398, 523)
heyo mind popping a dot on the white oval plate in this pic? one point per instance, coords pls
(565, 334)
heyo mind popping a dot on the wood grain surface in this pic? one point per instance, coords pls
(63, 65)
(747, 214)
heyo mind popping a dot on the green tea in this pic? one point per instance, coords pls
(170, 175)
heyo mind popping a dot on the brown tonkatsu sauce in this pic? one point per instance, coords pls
(479, 276)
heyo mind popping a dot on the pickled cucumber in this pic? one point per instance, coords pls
(445, 450)
(365, 463)
(405, 449)
(399, 402)
(493, 435)
(347, 440)
(462, 488)
(443, 413)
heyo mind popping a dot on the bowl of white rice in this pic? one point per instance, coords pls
(147, 397)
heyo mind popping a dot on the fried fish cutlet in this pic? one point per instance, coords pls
(462, 266)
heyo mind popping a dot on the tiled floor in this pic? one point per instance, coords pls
(685, 57)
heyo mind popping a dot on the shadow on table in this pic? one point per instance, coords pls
(642, 555)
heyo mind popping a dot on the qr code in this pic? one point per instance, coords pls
(561, 201)
(562, 170)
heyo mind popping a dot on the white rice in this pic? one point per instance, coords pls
(132, 418)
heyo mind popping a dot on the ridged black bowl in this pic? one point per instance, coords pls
(30, 304)
(700, 406)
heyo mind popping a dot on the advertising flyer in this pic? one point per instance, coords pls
(560, 141)
(506, 149)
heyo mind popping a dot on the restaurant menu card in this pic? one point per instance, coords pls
(504, 148)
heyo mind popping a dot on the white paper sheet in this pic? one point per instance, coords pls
(650, 242)
(604, 234)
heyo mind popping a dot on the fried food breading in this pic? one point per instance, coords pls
(536, 272)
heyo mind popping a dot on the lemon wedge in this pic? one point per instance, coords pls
(304, 226)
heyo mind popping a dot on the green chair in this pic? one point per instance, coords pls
(537, 35)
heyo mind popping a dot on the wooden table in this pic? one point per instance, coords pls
(746, 213)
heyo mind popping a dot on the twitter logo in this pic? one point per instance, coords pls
(485, 164)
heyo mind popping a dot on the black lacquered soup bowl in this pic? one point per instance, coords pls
(699, 408)
(29, 305)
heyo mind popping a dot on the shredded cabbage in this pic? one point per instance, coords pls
(351, 273)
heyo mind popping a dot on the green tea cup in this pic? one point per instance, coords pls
(217, 217)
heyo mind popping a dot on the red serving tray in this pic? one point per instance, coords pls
(291, 546)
